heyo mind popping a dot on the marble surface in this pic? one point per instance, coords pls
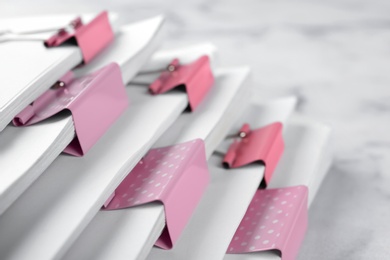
(335, 55)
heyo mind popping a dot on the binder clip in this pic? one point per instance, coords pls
(91, 38)
(176, 176)
(264, 145)
(95, 102)
(276, 220)
(196, 77)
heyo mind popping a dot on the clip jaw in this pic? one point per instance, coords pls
(176, 176)
(264, 145)
(95, 101)
(91, 38)
(276, 219)
(196, 77)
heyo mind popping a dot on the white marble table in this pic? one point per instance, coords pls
(335, 55)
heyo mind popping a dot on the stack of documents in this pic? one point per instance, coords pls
(55, 205)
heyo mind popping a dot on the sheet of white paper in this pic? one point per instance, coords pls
(26, 152)
(144, 226)
(35, 147)
(225, 202)
(127, 235)
(309, 140)
(30, 69)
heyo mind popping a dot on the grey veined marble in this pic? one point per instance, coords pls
(335, 55)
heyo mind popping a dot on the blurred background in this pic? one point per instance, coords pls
(335, 56)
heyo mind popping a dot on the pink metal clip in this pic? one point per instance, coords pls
(91, 38)
(196, 77)
(263, 145)
(95, 101)
(176, 176)
(276, 219)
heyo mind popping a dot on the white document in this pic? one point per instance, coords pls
(28, 151)
(28, 68)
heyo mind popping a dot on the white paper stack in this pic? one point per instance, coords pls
(50, 202)
(28, 151)
(30, 67)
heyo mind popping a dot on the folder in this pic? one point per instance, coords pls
(36, 146)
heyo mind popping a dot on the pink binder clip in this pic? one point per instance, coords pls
(264, 145)
(176, 176)
(95, 101)
(196, 77)
(276, 219)
(91, 37)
